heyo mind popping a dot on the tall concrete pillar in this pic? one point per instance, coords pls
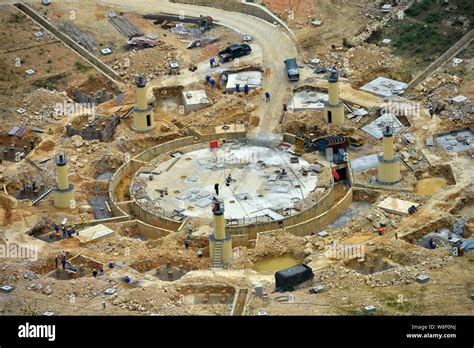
(143, 118)
(64, 191)
(389, 162)
(333, 108)
(220, 244)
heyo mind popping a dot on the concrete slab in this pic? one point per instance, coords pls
(233, 128)
(460, 100)
(396, 206)
(250, 167)
(422, 279)
(94, 233)
(375, 127)
(110, 291)
(384, 87)
(459, 141)
(195, 100)
(7, 288)
(323, 234)
(307, 99)
(364, 163)
(369, 309)
(251, 78)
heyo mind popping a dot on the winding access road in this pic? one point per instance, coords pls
(276, 46)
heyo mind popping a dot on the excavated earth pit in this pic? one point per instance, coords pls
(163, 269)
(445, 231)
(378, 261)
(83, 265)
(430, 180)
(203, 294)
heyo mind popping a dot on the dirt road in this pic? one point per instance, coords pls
(276, 46)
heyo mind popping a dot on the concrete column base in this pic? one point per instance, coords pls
(63, 198)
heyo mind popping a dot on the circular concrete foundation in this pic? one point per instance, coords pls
(264, 184)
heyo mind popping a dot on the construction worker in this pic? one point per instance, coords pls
(216, 188)
(58, 234)
(431, 244)
(83, 221)
(267, 97)
(212, 61)
(246, 89)
(64, 229)
(237, 87)
(186, 243)
(63, 262)
(213, 83)
(432, 111)
(56, 261)
(208, 79)
(94, 273)
(228, 180)
(199, 253)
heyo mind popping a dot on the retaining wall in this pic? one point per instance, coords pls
(238, 6)
(310, 220)
(442, 59)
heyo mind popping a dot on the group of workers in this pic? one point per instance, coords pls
(66, 264)
(65, 231)
(246, 89)
(228, 181)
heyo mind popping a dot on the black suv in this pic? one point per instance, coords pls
(234, 51)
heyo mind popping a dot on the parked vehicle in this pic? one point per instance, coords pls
(292, 69)
(234, 51)
(320, 70)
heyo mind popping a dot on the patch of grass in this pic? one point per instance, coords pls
(81, 67)
(50, 82)
(418, 8)
(429, 28)
(423, 40)
(400, 306)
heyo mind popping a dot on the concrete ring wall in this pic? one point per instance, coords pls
(310, 220)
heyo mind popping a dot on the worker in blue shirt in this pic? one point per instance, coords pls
(267, 97)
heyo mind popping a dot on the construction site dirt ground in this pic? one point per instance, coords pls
(164, 277)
